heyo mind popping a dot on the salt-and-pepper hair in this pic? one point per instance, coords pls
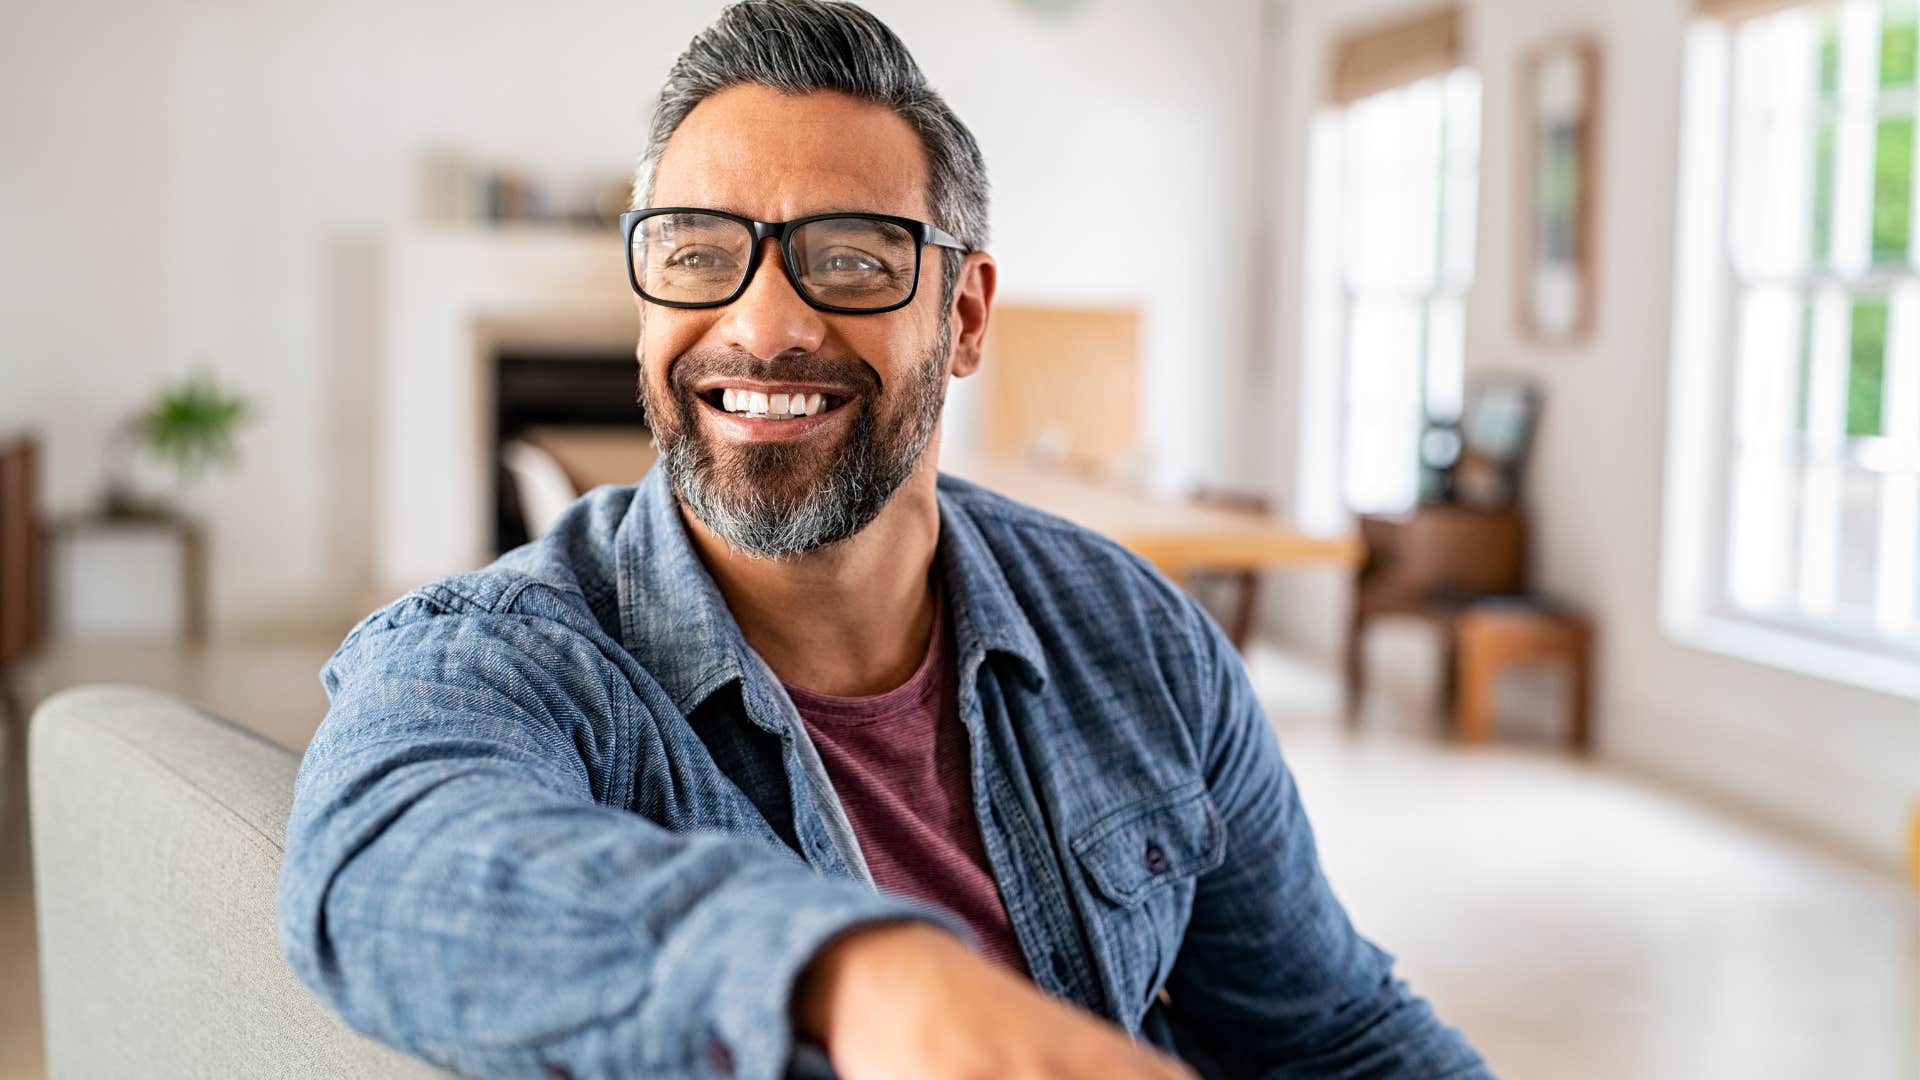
(803, 46)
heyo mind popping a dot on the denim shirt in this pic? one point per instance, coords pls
(560, 820)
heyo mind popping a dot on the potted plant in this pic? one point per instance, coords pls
(188, 428)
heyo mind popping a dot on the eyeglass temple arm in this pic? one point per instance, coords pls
(942, 238)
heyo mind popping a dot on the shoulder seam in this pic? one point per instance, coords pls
(1021, 516)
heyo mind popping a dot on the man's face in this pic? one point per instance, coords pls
(780, 487)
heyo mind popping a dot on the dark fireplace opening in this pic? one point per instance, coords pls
(579, 408)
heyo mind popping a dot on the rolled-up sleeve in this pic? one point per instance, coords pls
(1272, 979)
(463, 882)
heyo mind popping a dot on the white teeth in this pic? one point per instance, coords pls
(754, 403)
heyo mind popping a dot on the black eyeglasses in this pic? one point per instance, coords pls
(686, 257)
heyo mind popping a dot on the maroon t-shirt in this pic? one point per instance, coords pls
(899, 762)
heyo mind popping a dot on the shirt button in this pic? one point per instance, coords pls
(1156, 859)
(720, 1057)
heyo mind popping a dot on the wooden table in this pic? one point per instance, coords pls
(183, 530)
(1177, 536)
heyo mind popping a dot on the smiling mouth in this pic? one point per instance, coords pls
(755, 405)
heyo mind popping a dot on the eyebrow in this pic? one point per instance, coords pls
(738, 212)
(864, 227)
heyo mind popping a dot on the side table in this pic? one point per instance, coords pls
(185, 531)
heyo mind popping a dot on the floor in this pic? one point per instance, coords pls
(1574, 922)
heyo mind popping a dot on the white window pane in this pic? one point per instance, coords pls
(1460, 194)
(1393, 173)
(1765, 492)
(1768, 376)
(1407, 177)
(1458, 219)
(1745, 180)
(1358, 165)
(1784, 76)
(1787, 227)
(1376, 252)
(1821, 498)
(1462, 90)
(1826, 434)
(1854, 138)
(1827, 368)
(1913, 198)
(1382, 468)
(1765, 504)
(1858, 549)
(1896, 605)
(1419, 208)
(1446, 356)
(1900, 404)
(1896, 609)
(1772, 178)
(1913, 597)
(1383, 405)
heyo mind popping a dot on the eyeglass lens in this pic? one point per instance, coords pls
(848, 262)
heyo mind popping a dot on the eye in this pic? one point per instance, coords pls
(848, 262)
(699, 257)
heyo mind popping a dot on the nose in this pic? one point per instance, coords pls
(770, 319)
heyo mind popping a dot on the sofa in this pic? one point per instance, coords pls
(157, 833)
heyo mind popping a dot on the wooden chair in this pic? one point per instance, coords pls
(1464, 571)
(1492, 638)
(1237, 609)
(1431, 564)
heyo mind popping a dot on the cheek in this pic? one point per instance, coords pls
(899, 351)
(662, 339)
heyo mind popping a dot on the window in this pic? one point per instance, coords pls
(1796, 508)
(1395, 179)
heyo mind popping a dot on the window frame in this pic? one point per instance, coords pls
(1326, 494)
(1706, 448)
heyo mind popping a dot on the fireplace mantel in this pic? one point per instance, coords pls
(449, 299)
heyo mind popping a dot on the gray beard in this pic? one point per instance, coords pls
(777, 501)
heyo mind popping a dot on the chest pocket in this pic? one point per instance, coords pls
(1141, 862)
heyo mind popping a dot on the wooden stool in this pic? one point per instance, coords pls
(1494, 637)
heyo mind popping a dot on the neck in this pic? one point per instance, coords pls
(851, 619)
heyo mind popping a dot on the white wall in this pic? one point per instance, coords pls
(1825, 756)
(187, 182)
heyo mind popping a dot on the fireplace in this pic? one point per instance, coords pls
(578, 408)
(548, 314)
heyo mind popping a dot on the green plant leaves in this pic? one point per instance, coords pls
(192, 423)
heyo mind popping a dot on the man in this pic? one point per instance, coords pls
(798, 750)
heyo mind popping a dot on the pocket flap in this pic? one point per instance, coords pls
(1161, 838)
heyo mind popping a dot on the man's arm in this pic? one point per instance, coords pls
(461, 883)
(1273, 980)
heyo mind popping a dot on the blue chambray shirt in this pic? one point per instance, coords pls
(560, 820)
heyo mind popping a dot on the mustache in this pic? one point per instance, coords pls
(856, 375)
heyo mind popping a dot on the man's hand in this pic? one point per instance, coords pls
(908, 1001)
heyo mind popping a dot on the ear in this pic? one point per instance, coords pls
(972, 301)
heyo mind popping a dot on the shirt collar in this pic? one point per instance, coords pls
(987, 616)
(677, 624)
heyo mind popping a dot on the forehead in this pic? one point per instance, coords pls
(773, 156)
